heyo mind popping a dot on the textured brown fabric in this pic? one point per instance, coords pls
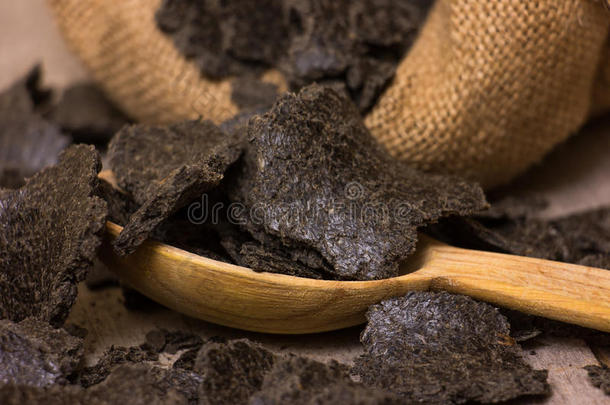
(488, 88)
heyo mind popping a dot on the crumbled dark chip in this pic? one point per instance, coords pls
(145, 384)
(231, 371)
(443, 348)
(162, 340)
(87, 115)
(34, 353)
(295, 380)
(13, 394)
(164, 168)
(28, 143)
(187, 359)
(357, 43)
(139, 384)
(313, 176)
(111, 358)
(50, 230)
(599, 377)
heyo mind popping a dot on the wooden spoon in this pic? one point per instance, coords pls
(239, 297)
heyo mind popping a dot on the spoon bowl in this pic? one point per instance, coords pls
(239, 297)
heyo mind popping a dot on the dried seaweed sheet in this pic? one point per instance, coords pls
(356, 43)
(599, 377)
(313, 176)
(231, 371)
(164, 168)
(87, 115)
(28, 143)
(50, 230)
(442, 348)
(34, 353)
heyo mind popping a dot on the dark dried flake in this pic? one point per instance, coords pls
(162, 340)
(165, 168)
(36, 354)
(187, 359)
(442, 348)
(138, 384)
(314, 177)
(599, 377)
(28, 143)
(231, 371)
(12, 394)
(50, 230)
(146, 385)
(511, 227)
(85, 113)
(296, 380)
(111, 358)
(272, 258)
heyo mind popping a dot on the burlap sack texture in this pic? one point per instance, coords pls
(487, 90)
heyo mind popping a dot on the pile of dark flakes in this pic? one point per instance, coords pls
(289, 190)
(513, 225)
(309, 155)
(353, 46)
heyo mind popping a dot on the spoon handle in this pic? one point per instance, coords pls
(561, 291)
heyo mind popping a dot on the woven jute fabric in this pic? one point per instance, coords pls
(488, 88)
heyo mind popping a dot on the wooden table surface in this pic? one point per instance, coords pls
(574, 177)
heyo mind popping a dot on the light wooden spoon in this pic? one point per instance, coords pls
(239, 297)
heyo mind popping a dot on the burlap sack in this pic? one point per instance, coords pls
(488, 88)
